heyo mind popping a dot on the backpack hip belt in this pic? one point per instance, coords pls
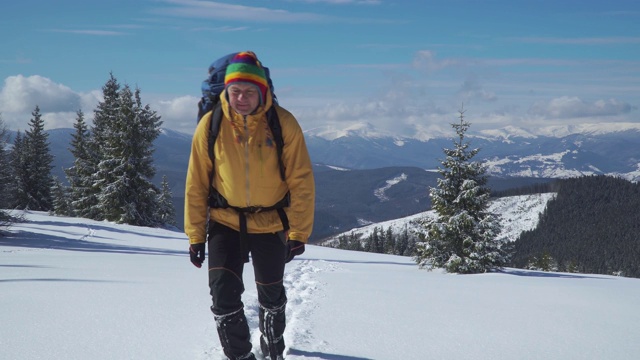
(217, 201)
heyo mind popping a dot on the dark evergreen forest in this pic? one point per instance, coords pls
(592, 226)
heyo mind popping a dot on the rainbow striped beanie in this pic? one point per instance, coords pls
(245, 68)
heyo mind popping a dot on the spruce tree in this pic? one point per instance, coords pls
(543, 263)
(147, 130)
(61, 200)
(6, 195)
(18, 162)
(32, 166)
(41, 162)
(375, 243)
(355, 243)
(342, 242)
(5, 168)
(388, 244)
(463, 238)
(124, 174)
(402, 244)
(79, 175)
(104, 118)
(352, 242)
(166, 211)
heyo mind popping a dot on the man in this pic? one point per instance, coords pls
(258, 212)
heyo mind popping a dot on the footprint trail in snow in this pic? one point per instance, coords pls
(303, 291)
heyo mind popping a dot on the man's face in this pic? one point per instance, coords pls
(244, 98)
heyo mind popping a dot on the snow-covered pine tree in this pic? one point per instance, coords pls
(147, 131)
(20, 172)
(350, 242)
(375, 243)
(402, 243)
(33, 167)
(166, 210)
(79, 175)
(61, 201)
(463, 238)
(6, 195)
(368, 245)
(5, 167)
(103, 117)
(124, 174)
(543, 263)
(388, 242)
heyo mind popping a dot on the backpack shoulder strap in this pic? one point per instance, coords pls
(214, 130)
(274, 124)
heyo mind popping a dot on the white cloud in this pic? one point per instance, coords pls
(90, 101)
(472, 89)
(567, 107)
(398, 99)
(21, 93)
(341, 2)
(426, 60)
(90, 32)
(178, 113)
(56, 120)
(391, 113)
(223, 29)
(222, 11)
(581, 40)
(58, 103)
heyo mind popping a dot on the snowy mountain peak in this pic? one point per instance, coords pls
(358, 129)
(175, 134)
(507, 132)
(370, 131)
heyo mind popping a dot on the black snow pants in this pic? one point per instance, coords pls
(226, 263)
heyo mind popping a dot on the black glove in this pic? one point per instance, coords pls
(196, 252)
(294, 248)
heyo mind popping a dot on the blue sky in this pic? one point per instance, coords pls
(405, 67)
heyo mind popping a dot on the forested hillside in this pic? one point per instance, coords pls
(592, 226)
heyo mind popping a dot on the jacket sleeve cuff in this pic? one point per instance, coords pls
(196, 241)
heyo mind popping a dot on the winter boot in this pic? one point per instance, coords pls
(265, 350)
(272, 324)
(235, 338)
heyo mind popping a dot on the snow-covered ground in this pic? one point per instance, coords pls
(80, 289)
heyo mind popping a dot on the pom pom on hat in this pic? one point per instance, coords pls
(245, 68)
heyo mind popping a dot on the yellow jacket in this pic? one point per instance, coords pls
(247, 174)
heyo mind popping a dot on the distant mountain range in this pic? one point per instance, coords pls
(559, 152)
(363, 176)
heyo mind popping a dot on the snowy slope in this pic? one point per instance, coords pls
(86, 290)
(518, 214)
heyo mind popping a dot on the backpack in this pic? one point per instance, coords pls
(212, 87)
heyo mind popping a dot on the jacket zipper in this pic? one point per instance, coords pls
(246, 160)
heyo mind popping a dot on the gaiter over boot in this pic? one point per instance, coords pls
(235, 338)
(272, 325)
